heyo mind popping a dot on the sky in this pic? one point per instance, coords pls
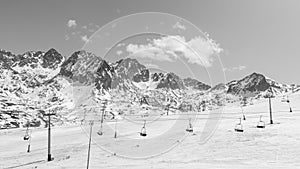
(255, 36)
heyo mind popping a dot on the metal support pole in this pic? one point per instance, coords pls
(168, 108)
(29, 141)
(290, 105)
(244, 117)
(89, 149)
(49, 138)
(270, 106)
(28, 148)
(116, 128)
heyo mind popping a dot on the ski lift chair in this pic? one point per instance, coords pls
(143, 132)
(26, 137)
(190, 127)
(239, 127)
(100, 132)
(261, 124)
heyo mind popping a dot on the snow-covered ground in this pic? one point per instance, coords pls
(276, 146)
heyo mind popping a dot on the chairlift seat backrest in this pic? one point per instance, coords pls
(190, 127)
(261, 124)
(239, 128)
(143, 132)
(26, 137)
(189, 130)
(100, 132)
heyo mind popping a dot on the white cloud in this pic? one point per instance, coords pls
(72, 23)
(85, 38)
(120, 44)
(179, 25)
(234, 68)
(198, 50)
(119, 52)
(91, 27)
(148, 51)
(81, 32)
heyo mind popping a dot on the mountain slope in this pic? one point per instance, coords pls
(81, 67)
(195, 84)
(255, 84)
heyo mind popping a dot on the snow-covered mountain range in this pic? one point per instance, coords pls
(35, 82)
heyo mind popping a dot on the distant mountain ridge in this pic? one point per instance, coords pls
(252, 85)
(32, 82)
(88, 69)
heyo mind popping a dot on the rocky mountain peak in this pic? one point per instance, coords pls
(143, 76)
(51, 59)
(7, 58)
(81, 67)
(253, 83)
(129, 67)
(171, 81)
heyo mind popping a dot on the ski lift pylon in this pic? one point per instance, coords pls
(288, 101)
(115, 136)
